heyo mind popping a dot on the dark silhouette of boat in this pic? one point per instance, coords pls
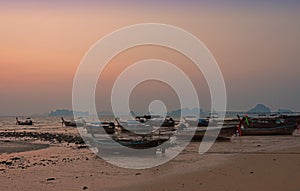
(191, 120)
(101, 127)
(132, 144)
(212, 119)
(287, 129)
(291, 118)
(224, 133)
(28, 121)
(197, 133)
(267, 126)
(156, 120)
(73, 123)
(134, 135)
(134, 127)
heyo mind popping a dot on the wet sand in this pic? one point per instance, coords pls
(69, 168)
(19, 146)
(247, 172)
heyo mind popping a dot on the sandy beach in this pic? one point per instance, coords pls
(119, 95)
(244, 163)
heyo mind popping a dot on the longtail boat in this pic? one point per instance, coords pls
(28, 121)
(267, 126)
(132, 144)
(291, 118)
(197, 134)
(73, 123)
(157, 120)
(101, 127)
(134, 127)
(205, 122)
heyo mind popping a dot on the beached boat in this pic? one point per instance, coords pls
(98, 127)
(291, 118)
(197, 133)
(198, 122)
(266, 126)
(156, 120)
(261, 121)
(28, 121)
(73, 123)
(134, 127)
(212, 121)
(287, 129)
(131, 144)
(191, 120)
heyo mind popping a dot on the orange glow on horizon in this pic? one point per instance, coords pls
(41, 48)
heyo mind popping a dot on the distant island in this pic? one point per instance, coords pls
(65, 112)
(260, 108)
(284, 111)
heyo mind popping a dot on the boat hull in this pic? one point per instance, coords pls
(198, 135)
(149, 146)
(281, 130)
(25, 123)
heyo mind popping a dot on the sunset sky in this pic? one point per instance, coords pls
(256, 45)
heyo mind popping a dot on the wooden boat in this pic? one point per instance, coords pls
(261, 122)
(133, 143)
(149, 145)
(73, 123)
(210, 119)
(191, 120)
(291, 118)
(134, 127)
(287, 129)
(204, 122)
(28, 121)
(156, 120)
(267, 126)
(225, 133)
(197, 134)
(198, 122)
(97, 128)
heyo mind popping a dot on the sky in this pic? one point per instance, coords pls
(256, 45)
